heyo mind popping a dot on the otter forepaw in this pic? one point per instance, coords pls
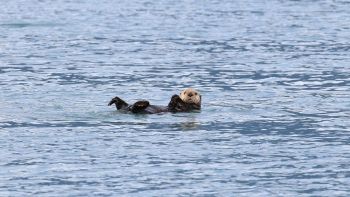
(175, 99)
(175, 103)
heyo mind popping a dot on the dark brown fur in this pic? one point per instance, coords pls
(144, 107)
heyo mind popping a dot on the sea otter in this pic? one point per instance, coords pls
(188, 100)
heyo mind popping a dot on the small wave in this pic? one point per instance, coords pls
(29, 24)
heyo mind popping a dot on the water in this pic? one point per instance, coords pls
(274, 77)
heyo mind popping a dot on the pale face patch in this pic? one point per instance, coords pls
(190, 95)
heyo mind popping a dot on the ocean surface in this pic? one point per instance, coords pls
(274, 78)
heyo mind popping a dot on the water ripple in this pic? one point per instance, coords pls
(274, 79)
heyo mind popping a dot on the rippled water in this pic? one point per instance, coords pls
(274, 77)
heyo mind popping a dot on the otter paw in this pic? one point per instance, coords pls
(119, 103)
(139, 106)
(115, 100)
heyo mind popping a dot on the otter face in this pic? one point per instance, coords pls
(190, 95)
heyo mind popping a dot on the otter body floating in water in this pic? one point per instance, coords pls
(188, 100)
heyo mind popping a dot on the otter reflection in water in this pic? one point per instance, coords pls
(188, 100)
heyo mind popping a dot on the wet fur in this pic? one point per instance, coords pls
(176, 104)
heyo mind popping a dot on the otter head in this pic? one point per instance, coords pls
(191, 96)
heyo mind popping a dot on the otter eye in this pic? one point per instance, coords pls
(195, 93)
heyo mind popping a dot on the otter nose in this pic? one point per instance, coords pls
(190, 94)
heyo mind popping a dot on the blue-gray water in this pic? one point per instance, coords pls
(274, 77)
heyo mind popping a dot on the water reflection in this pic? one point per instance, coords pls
(188, 122)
